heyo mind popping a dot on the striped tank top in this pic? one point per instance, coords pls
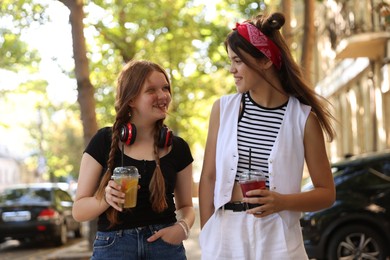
(258, 128)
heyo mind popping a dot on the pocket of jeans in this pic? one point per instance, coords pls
(104, 239)
(168, 243)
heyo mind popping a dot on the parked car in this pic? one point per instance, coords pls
(37, 211)
(357, 226)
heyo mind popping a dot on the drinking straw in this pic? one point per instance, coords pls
(250, 159)
(123, 151)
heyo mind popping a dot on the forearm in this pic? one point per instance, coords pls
(186, 219)
(308, 201)
(88, 208)
(206, 200)
(180, 230)
(208, 175)
(187, 214)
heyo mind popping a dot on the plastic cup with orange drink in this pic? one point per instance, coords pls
(127, 177)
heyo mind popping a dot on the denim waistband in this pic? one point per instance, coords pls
(149, 228)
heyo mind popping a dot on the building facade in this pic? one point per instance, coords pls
(10, 169)
(353, 65)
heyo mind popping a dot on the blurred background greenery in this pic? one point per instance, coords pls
(59, 61)
(51, 117)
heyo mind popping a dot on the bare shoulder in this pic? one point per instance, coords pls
(214, 115)
(313, 126)
(216, 105)
(314, 142)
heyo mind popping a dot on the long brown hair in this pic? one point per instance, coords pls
(130, 82)
(290, 74)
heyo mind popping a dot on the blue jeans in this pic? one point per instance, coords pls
(131, 244)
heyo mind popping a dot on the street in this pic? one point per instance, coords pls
(13, 249)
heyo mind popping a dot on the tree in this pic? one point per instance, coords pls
(308, 39)
(85, 88)
(156, 30)
(16, 54)
(287, 31)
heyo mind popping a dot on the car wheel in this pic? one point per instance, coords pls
(356, 242)
(62, 238)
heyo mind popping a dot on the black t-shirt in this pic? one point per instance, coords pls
(142, 215)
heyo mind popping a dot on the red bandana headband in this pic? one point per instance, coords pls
(258, 39)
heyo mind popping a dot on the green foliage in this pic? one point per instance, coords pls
(23, 13)
(14, 17)
(64, 145)
(55, 134)
(248, 9)
(178, 34)
(174, 34)
(15, 53)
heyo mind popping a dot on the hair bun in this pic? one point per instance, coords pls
(276, 21)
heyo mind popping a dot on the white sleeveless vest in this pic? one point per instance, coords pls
(286, 160)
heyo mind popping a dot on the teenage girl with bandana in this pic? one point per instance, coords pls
(279, 118)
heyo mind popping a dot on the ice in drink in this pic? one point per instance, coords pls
(127, 177)
(252, 185)
(129, 185)
(252, 180)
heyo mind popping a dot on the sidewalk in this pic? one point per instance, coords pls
(192, 243)
(80, 251)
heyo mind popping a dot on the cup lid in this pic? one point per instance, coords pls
(125, 170)
(251, 174)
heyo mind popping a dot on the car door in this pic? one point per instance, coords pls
(380, 171)
(65, 202)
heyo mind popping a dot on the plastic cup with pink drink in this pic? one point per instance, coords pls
(252, 180)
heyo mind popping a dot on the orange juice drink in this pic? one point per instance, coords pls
(127, 177)
(130, 188)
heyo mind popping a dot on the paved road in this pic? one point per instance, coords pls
(39, 250)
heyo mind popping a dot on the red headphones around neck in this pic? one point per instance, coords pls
(128, 133)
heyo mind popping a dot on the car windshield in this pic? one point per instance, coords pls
(25, 195)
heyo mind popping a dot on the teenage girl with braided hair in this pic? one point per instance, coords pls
(138, 137)
(278, 119)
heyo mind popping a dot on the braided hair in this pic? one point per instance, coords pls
(130, 82)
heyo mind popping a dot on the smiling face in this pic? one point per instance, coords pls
(245, 77)
(154, 98)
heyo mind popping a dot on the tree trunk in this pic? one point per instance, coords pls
(308, 39)
(85, 89)
(287, 31)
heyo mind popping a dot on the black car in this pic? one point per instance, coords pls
(37, 211)
(357, 226)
